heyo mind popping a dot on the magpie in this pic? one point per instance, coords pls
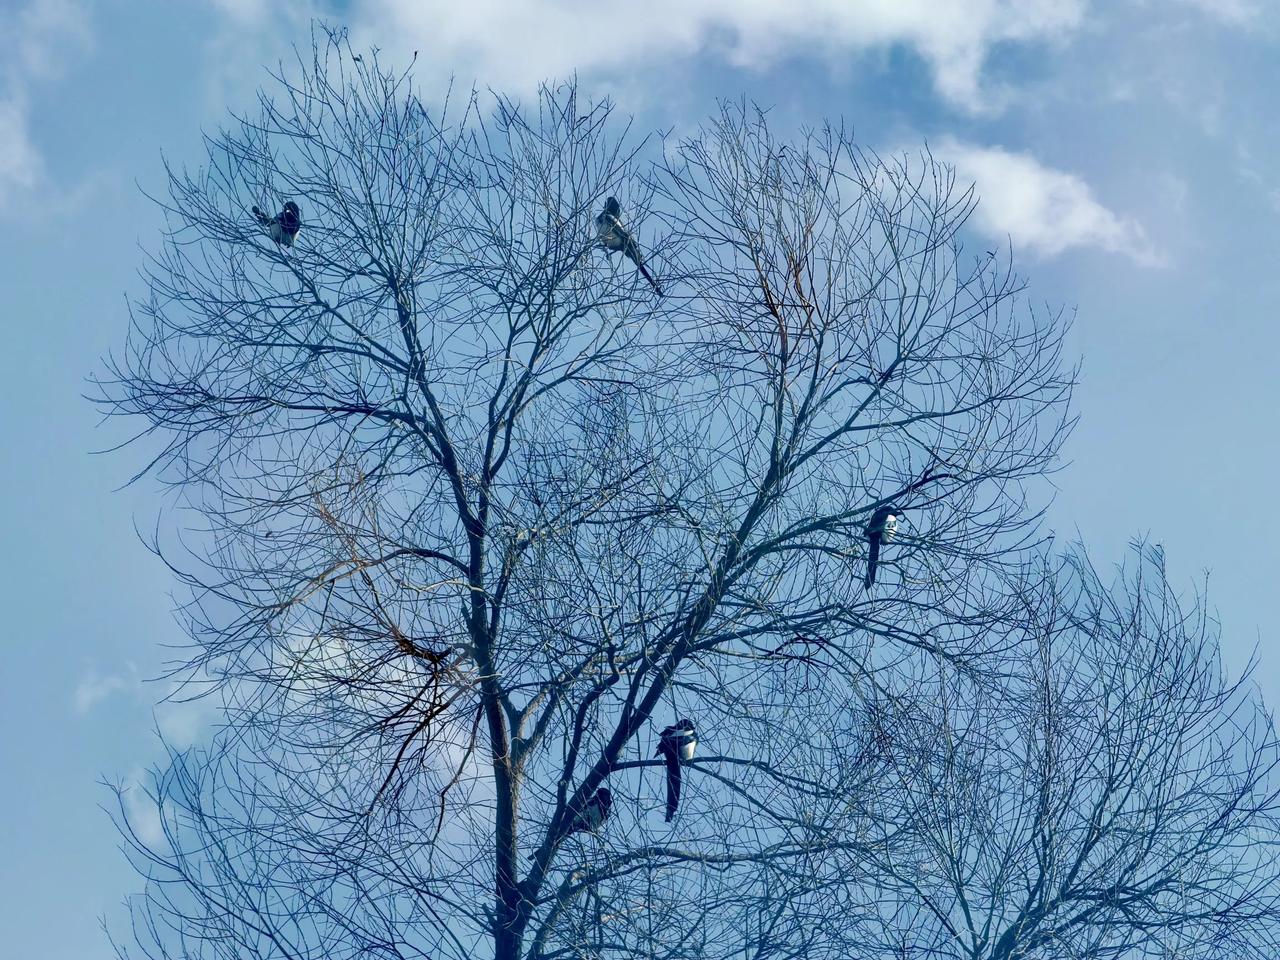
(880, 529)
(676, 745)
(594, 813)
(616, 238)
(284, 226)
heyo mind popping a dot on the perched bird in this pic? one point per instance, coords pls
(284, 226)
(617, 238)
(676, 745)
(594, 813)
(880, 529)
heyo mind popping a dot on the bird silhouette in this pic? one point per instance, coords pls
(284, 226)
(618, 239)
(594, 812)
(676, 745)
(880, 529)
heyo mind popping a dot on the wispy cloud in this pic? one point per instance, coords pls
(1257, 174)
(1045, 211)
(141, 810)
(40, 41)
(514, 44)
(1236, 12)
(44, 36)
(183, 716)
(95, 687)
(19, 162)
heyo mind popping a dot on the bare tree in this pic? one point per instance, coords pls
(1119, 800)
(484, 512)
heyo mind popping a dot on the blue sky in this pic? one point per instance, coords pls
(1128, 150)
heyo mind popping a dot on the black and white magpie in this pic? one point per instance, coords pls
(880, 529)
(284, 226)
(594, 812)
(676, 745)
(617, 238)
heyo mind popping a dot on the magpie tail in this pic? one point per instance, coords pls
(673, 782)
(873, 559)
(644, 271)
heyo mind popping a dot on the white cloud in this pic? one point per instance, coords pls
(1175, 190)
(41, 39)
(141, 811)
(515, 44)
(1236, 12)
(95, 687)
(248, 12)
(1044, 210)
(182, 716)
(19, 163)
(189, 711)
(250, 37)
(185, 722)
(46, 35)
(1257, 174)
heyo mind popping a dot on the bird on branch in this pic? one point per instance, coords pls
(881, 528)
(594, 813)
(676, 745)
(615, 238)
(284, 226)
